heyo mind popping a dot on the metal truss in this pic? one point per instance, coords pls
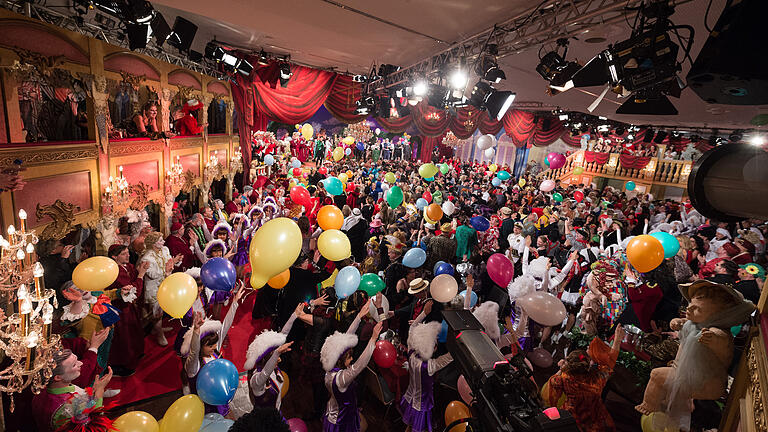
(541, 25)
(109, 33)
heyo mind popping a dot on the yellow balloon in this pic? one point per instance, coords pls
(492, 167)
(343, 177)
(331, 280)
(95, 273)
(656, 422)
(338, 154)
(307, 131)
(521, 182)
(334, 245)
(274, 247)
(176, 294)
(348, 140)
(136, 421)
(186, 414)
(286, 382)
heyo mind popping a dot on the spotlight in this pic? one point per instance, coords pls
(757, 140)
(229, 60)
(563, 117)
(437, 95)
(489, 70)
(554, 68)
(160, 28)
(137, 35)
(630, 137)
(359, 78)
(285, 73)
(140, 11)
(183, 34)
(736, 136)
(244, 67)
(263, 58)
(459, 79)
(420, 88)
(214, 52)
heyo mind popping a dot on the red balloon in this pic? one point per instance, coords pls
(297, 172)
(384, 354)
(427, 196)
(500, 269)
(300, 195)
(578, 196)
(323, 170)
(350, 187)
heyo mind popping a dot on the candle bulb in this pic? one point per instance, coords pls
(20, 258)
(11, 233)
(47, 320)
(30, 249)
(31, 342)
(38, 272)
(121, 171)
(25, 308)
(22, 220)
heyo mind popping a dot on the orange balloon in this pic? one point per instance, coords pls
(349, 173)
(454, 411)
(645, 253)
(280, 280)
(434, 212)
(329, 217)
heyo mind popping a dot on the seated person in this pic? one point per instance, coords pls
(185, 122)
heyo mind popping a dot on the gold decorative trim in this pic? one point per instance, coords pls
(63, 215)
(31, 157)
(754, 389)
(126, 148)
(186, 143)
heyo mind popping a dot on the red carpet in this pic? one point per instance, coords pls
(159, 371)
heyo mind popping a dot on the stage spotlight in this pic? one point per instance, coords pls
(137, 36)
(563, 117)
(285, 73)
(213, 51)
(554, 68)
(458, 79)
(420, 88)
(160, 28)
(359, 78)
(489, 70)
(736, 136)
(639, 105)
(183, 34)
(244, 67)
(263, 58)
(437, 95)
(140, 11)
(757, 140)
(229, 60)
(498, 102)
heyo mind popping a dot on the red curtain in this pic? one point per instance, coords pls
(598, 157)
(341, 99)
(296, 102)
(464, 123)
(396, 124)
(488, 125)
(633, 162)
(427, 145)
(430, 121)
(544, 137)
(520, 126)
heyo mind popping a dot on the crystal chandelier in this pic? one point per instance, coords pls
(236, 162)
(450, 140)
(117, 193)
(25, 336)
(212, 167)
(175, 176)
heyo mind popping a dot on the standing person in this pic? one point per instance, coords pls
(466, 239)
(160, 264)
(178, 245)
(441, 247)
(507, 228)
(341, 414)
(418, 401)
(128, 338)
(356, 229)
(54, 257)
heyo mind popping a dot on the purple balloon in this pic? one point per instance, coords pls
(218, 274)
(297, 425)
(500, 269)
(480, 223)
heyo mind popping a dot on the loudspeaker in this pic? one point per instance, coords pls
(137, 36)
(732, 67)
(160, 28)
(183, 34)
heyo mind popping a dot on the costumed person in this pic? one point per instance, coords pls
(605, 296)
(581, 378)
(187, 124)
(750, 279)
(178, 245)
(53, 406)
(160, 265)
(203, 345)
(418, 401)
(143, 123)
(88, 414)
(243, 229)
(700, 369)
(341, 414)
(128, 338)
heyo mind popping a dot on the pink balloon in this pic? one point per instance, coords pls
(500, 269)
(443, 288)
(540, 357)
(542, 307)
(556, 160)
(547, 185)
(464, 391)
(297, 425)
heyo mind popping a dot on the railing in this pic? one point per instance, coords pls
(657, 171)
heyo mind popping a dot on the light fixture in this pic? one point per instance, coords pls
(263, 58)
(244, 67)
(420, 88)
(757, 140)
(630, 137)
(183, 34)
(486, 97)
(563, 117)
(556, 70)
(458, 79)
(285, 73)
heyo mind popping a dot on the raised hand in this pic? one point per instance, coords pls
(428, 307)
(320, 301)
(285, 347)
(377, 330)
(364, 309)
(98, 338)
(198, 320)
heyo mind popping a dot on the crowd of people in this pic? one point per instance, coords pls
(569, 242)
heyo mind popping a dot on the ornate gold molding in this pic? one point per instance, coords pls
(186, 143)
(63, 214)
(141, 198)
(41, 157)
(755, 386)
(125, 148)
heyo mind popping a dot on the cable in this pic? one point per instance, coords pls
(689, 42)
(706, 17)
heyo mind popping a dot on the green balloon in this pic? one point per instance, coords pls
(394, 196)
(437, 197)
(557, 197)
(371, 283)
(444, 168)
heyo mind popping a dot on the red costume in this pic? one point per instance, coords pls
(128, 338)
(178, 246)
(188, 125)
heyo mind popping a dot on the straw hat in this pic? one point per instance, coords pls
(416, 286)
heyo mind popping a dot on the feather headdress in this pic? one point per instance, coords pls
(422, 339)
(262, 345)
(334, 347)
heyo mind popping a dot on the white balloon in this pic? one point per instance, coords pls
(374, 313)
(485, 142)
(489, 153)
(448, 208)
(378, 131)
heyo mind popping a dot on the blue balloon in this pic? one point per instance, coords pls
(430, 179)
(269, 160)
(630, 185)
(360, 146)
(421, 204)
(217, 382)
(443, 335)
(348, 151)
(480, 223)
(218, 274)
(414, 258)
(215, 422)
(295, 163)
(472, 300)
(444, 268)
(503, 175)
(670, 244)
(437, 264)
(496, 182)
(347, 281)
(333, 186)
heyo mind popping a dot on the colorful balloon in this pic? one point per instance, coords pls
(472, 299)
(371, 283)
(394, 196)
(492, 167)
(443, 268)
(334, 245)
(427, 196)
(670, 244)
(556, 160)
(454, 411)
(280, 280)
(542, 307)
(503, 175)
(521, 182)
(348, 140)
(421, 204)
(480, 223)
(540, 358)
(338, 153)
(444, 168)
(496, 182)
(578, 195)
(390, 177)
(428, 170)
(329, 217)
(300, 195)
(218, 274)
(295, 163)
(500, 269)
(347, 151)
(269, 160)
(485, 142)
(297, 425)
(547, 185)
(176, 294)
(322, 170)
(347, 281)
(186, 414)
(307, 131)
(343, 177)
(217, 382)
(578, 170)
(95, 273)
(333, 186)
(557, 197)
(448, 208)
(415, 257)
(296, 173)
(546, 162)
(645, 253)
(274, 248)
(384, 354)
(434, 212)
(630, 185)
(136, 421)
(443, 288)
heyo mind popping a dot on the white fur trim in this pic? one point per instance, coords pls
(246, 220)
(665, 227)
(521, 286)
(334, 347)
(488, 315)
(208, 326)
(219, 226)
(69, 316)
(253, 209)
(422, 338)
(213, 242)
(130, 297)
(261, 343)
(194, 272)
(538, 267)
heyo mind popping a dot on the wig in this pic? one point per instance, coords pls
(422, 339)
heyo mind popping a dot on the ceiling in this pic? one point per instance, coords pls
(350, 35)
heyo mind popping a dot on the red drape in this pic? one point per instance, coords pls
(395, 124)
(488, 125)
(296, 102)
(542, 137)
(430, 121)
(633, 162)
(520, 126)
(598, 157)
(464, 123)
(341, 99)
(427, 145)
